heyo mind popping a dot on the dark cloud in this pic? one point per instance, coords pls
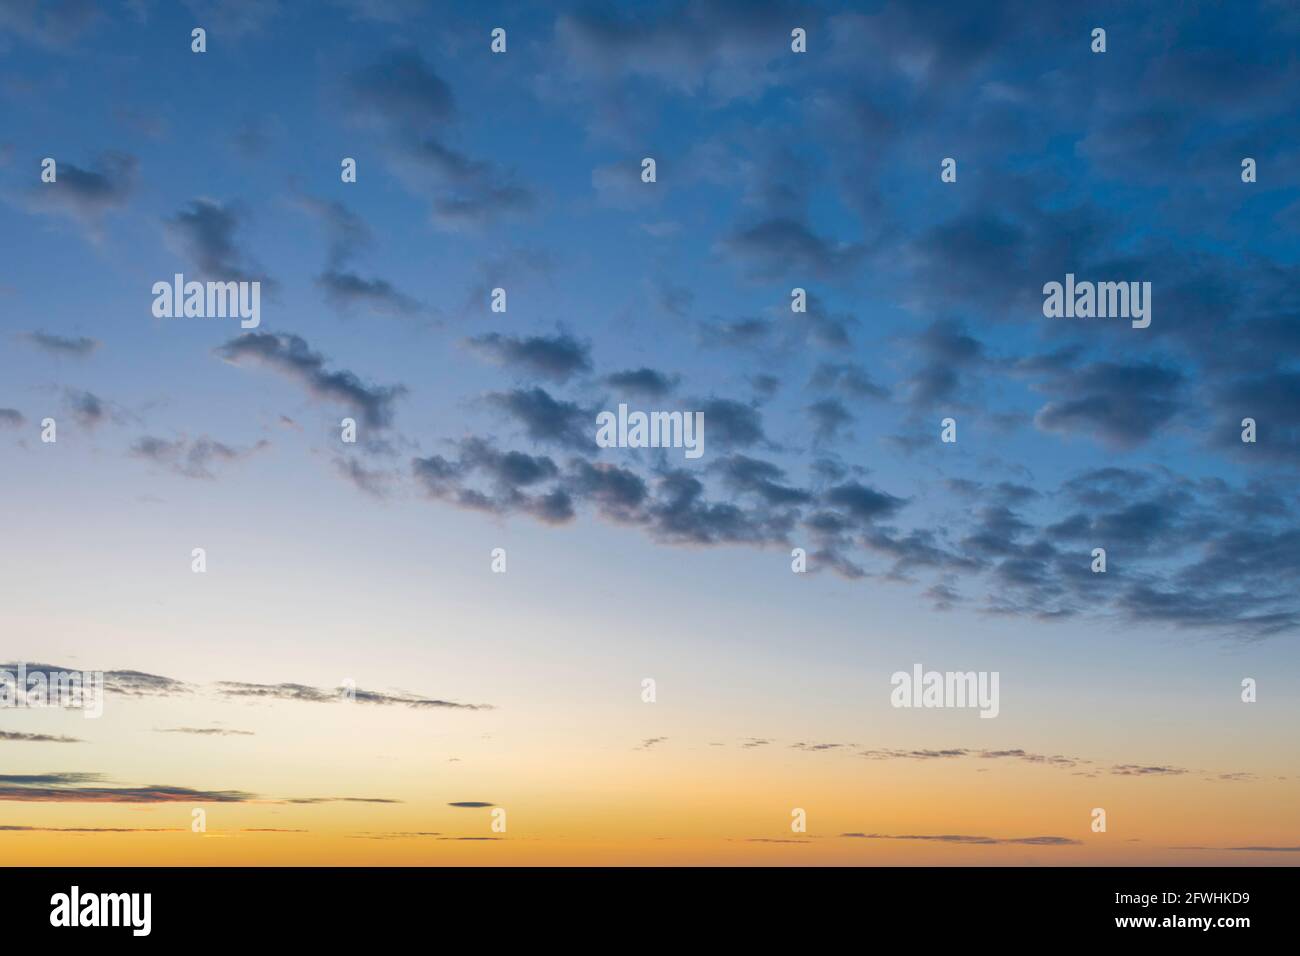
(125, 682)
(291, 356)
(12, 828)
(463, 191)
(762, 478)
(191, 458)
(641, 382)
(471, 804)
(749, 333)
(86, 195)
(618, 493)
(74, 788)
(556, 357)
(851, 380)
(1120, 405)
(349, 236)
(970, 840)
(78, 347)
(234, 18)
(731, 424)
(948, 353)
(486, 479)
(789, 247)
(547, 419)
(861, 502)
(319, 695)
(14, 737)
(204, 232)
(316, 800)
(56, 25)
(375, 482)
(87, 408)
(347, 290)
(681, 514)
(1136, 770)
(829, 419)
(402, 90)
(12, 418)
(823, 328)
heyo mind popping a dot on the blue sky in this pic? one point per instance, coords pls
(775, 170)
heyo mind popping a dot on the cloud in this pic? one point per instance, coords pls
(128, 683)
(970, 840)
(319, 695)
(76, 788)
(504, 476)
(383, 11)
(1058, 761)
(1265, 849)
(78, 347)
(349, 236)
(191, 458)
(862, 502)
(948, 353)
(547, 419)
(316, 800)
(15, 828)
(13, 736)
(784, 246)
(55, 25)
(414, 107)
(1121, 405)
(347, 232)
(471, 804)
(87, 195)
(347, 290)
(649, 742)
(848, 378)
(720, 50)
(761, 478)
(1136, 770)
(641, 382)
(204, 232)
(375, 482)
(556, 358)
(748, 333)
(400, 89)
(234, 18)
(731, 424)
(464, 192)
(829, 418)
(88, 409)
(205, 731)
(292, 356)
(12, 418)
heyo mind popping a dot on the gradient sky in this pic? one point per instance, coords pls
(370, 563)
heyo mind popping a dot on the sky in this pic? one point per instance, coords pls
(356, 677)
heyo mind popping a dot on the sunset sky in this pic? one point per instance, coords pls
(370, 564)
